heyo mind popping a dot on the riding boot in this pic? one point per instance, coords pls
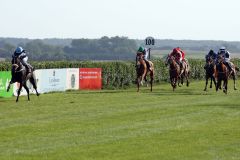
(229, 66)
(28, 69)
(205, 66)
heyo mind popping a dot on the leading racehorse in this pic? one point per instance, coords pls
(143, 71)
(20, 75)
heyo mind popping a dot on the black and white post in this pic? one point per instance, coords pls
(149, 41)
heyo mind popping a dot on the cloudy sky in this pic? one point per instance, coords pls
(163, 19)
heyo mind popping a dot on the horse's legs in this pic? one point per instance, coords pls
(225, 82)
(171, 81)
(9, 86)
(187, 77)
(19, 91)
(138, 83)
(218, 84)
(174, 83)
(214, 81)
(205, 89)
(182, 76)
(26, 88)
(145, 79)
(151, 82)
(226, 85)
(234, 80)
(33, 81)
(178, 80)
(211, 82)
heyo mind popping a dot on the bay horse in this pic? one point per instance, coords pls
(210, 70)
(142, 71)
(221, 74)
(20, 75)
(174, 71)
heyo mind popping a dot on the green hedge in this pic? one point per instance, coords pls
(120, 74)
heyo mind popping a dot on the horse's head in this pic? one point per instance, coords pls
(16, 63)
(139, 58)
(210, 60)
(169, 60)
(220, 59)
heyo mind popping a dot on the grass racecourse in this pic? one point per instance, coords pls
(187, 124)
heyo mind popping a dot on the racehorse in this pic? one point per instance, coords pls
(20, 75)
(174, 71)
(185, 72)
(233, 74)
(210, 70)
(143, 71)
(221, 74)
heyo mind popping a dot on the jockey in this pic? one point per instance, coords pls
(21, 53)
(145, 53)
(226, 55)
(179, 55)
(211, 54)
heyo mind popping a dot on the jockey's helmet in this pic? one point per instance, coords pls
(222, 49)
(140, 49)
(175, 50)
(19, 50)
(211, 52)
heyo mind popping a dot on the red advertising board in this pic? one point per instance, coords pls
(90, 78)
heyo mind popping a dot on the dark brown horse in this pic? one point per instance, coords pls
(143, 71)
(174, 71)
(210, 70)
(20, 75)
(221, 74)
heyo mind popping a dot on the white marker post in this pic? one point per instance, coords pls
(149, 41)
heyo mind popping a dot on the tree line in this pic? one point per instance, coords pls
(105, 48)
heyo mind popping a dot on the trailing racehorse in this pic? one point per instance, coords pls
(185, 73)
(233, 74)
(174, 71)
(143, 71)
(20, 75)
(222, 75)
(210, 70)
